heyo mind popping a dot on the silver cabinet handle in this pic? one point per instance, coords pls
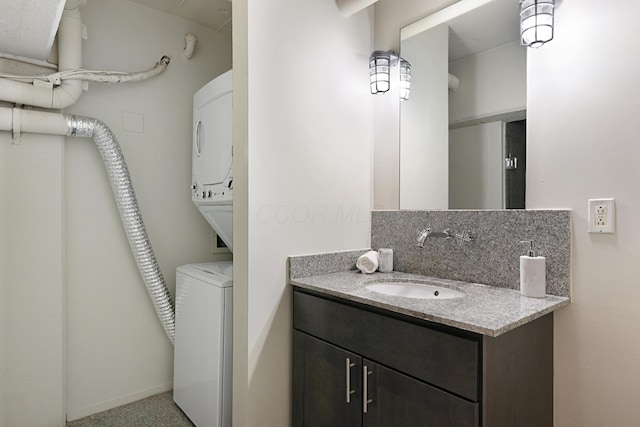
(349, 365)
(365, 389)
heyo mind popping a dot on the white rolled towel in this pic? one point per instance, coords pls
(368, 263)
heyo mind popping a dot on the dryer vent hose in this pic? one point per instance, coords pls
(118, 172)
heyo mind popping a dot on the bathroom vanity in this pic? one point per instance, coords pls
(363, 358)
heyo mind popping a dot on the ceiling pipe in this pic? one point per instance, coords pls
(349, 7)
(44, 94)
(69, 57)
(41, 122)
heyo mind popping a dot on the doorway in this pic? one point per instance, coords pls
(515, 164)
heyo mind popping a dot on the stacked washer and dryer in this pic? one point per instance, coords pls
(204, 292)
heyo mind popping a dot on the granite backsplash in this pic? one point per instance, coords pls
(492, 258)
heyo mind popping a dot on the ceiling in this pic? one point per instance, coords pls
(215, 14)
(28, 27)
(491, 25)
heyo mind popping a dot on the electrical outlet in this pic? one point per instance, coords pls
(601, 216)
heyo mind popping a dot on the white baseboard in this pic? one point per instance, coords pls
(76, 414)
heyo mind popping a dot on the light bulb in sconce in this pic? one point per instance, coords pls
(379, 71)
(536, 22)
(405, 79)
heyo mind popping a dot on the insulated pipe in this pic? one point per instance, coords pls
(117, 76)
(114, 161)
(69, 58)
(33, 121)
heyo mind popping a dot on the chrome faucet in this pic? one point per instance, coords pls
(428, 233)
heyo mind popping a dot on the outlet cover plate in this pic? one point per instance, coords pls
(602, 216)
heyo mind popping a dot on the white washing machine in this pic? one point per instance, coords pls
(203, 339)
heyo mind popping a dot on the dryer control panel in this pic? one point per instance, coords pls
(212, 194)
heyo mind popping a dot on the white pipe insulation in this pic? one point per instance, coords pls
(116, 166)
(114, 76)
(21, 120)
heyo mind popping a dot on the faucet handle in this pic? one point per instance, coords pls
(450, 235)
(465, 237)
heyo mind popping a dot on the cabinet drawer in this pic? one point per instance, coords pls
(441, 359)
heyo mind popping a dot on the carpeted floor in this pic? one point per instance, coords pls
(154, 411)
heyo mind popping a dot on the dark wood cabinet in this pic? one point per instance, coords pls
(396, 399)
(329, 391)
(355, 365)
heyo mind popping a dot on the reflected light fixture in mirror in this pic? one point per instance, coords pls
(405, 79)
(536, 22)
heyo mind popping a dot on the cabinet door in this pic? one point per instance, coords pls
(327, 389)
(396, 400)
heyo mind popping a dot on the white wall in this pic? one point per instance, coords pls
(76, 269)
(240, 28)
(31, 282)
(491, 82)
(309, 152)
(475, 167)
(583, 106)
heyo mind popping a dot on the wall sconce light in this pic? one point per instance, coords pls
(536, 22)
(380, 64)
(379, 70)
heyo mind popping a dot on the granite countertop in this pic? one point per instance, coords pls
(486, 310)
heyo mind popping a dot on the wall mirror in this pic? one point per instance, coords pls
(463, 128)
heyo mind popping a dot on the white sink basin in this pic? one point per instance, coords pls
(414, 290)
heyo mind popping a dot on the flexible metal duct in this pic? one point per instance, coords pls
(120, 180)
(19, 120)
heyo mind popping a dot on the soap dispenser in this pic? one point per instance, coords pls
(532, 273)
